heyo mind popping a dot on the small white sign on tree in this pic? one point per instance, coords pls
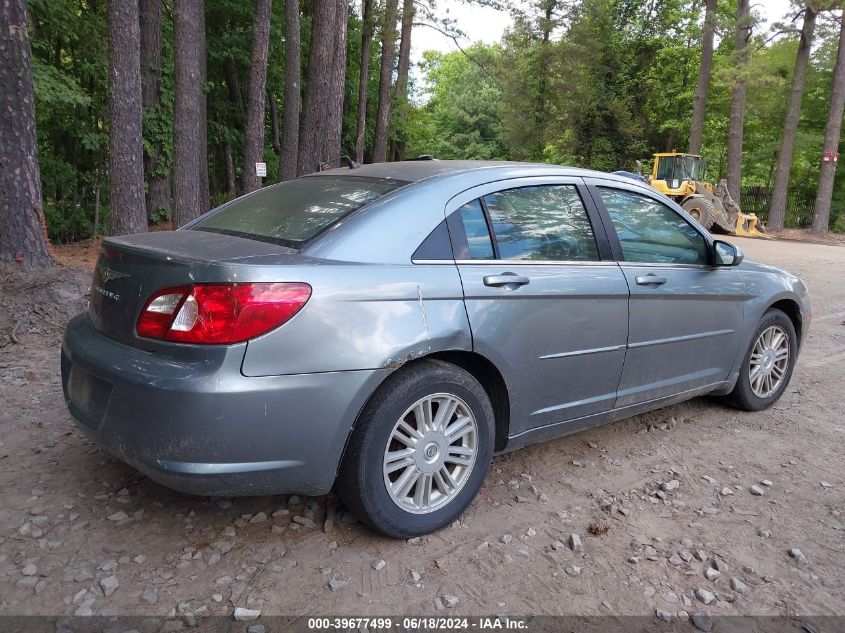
(261, 170)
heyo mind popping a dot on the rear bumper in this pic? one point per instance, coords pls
(200, 426)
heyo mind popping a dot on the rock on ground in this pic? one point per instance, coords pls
(246, 615)
(703, 621)
(109, 585)
(797, 555)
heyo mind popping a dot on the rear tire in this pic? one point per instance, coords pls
(702, 209)
(768, 363)
(392, 475)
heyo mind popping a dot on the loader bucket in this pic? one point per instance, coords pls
(746, 226)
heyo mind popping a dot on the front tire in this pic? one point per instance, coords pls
(767, 365)
(420, 450)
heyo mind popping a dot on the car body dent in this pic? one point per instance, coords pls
(366, 318)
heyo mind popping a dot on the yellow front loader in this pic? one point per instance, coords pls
(681, 177)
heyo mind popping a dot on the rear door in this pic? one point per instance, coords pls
(545, 300)
(685, 314)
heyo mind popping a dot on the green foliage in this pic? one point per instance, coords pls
(602, 83)
(591, 83)
(70, 79)
(460, 119)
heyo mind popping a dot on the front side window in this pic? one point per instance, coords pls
(294, 211)
(651, 232)
(544, 222)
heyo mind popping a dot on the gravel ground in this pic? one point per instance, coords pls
(651, 516)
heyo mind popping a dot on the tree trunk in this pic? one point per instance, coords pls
(204, 194)
(821, 215)
(337, 83)
(541, 110)
(231, 182)
(290, 114)
(158, 184)
(388, 45)
(364, 78)
(275, 136)
(777, 208)
(23, 237)
(254, 135)
(233, 86)
(96, 211)
(322, 105)
(737, 116)
(699, 107)
(126, 150)
(190, 184)
(398, 145)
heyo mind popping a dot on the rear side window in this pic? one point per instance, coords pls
(297, 210)
(478, 234)
(545, 222)
(651, 232)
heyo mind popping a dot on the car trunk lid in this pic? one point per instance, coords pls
(131, 268)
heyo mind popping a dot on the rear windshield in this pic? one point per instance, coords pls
(294, 211)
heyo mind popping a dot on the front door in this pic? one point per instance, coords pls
(685, 314)
(546, 302)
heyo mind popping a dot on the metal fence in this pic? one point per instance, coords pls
(799, 205)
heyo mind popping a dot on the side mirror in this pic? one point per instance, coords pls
(725, 254)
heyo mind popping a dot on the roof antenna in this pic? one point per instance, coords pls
(340, 159)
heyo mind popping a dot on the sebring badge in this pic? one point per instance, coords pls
(107, 274)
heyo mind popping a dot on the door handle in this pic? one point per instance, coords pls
(650, 280)
(506, 279)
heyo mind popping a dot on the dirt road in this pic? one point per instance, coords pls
(82, 533)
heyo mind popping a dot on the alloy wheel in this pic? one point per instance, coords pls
(769, 361)
(430, 453)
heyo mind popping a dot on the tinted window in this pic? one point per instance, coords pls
(478, 235)
(546, 222)
(296, 210)
(652, 232)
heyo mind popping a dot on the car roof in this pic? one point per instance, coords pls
(400, 220)
(424, 169)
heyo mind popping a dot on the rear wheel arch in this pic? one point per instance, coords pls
(480, 367)
(485, 372)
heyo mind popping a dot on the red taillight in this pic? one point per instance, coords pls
(220, 313)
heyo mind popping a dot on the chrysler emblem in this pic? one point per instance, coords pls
(107, 274)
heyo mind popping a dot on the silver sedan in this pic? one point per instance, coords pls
(386, 329)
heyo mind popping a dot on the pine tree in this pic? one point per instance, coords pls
(388, 45)
(322, 105)
(777, 208)
(190, 145)
(824, 193)
(254, 134)
(364, 77)
(699, 108)
(23, 238)
(126, 150)
(158, 184)
(738, 92)
(292, 96)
